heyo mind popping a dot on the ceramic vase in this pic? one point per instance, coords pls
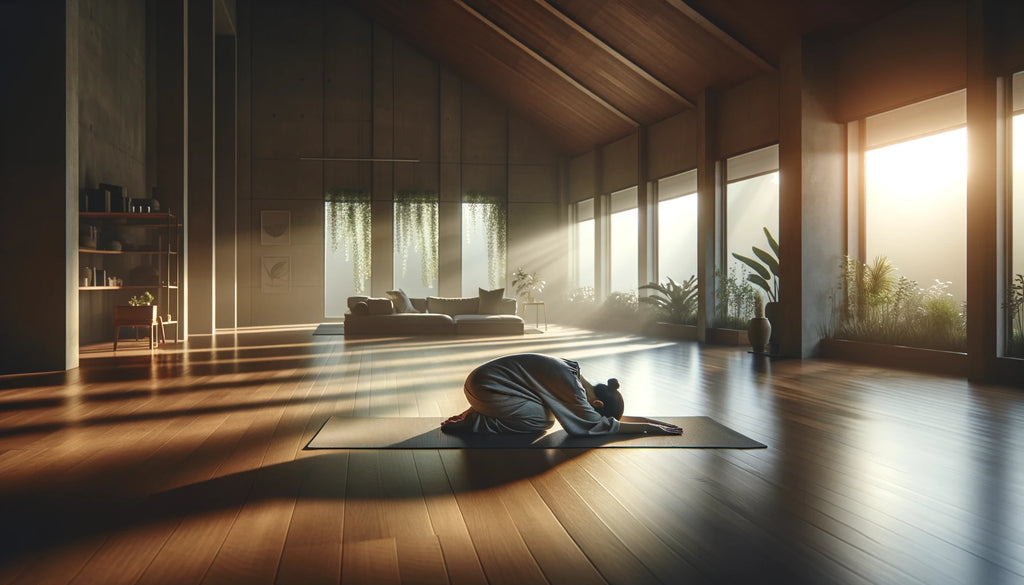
(759, 331)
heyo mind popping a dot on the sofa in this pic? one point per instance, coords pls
(398, 314)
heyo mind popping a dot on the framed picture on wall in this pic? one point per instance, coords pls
(275, 227)
(275, 274)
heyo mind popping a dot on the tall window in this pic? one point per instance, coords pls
(623, 241)
(751, 206)
(909, 283)
(1014, 300)
(915, 189)
(347, 244)
(416, 243)
(677, 227)
(483, 242)
(583, 245)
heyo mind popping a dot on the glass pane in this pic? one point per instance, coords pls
(751, 206)
(584, 248)
(623, 241)
(677, 227)
(416, 244)
(910, 288)
(1015, 280)
(347, 228)
(483, 246)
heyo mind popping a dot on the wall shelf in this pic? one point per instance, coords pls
(149, 260)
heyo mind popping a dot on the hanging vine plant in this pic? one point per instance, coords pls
(349, 227)
(489, 211)
(416, 227)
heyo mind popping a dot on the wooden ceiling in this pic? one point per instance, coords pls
(592, 71)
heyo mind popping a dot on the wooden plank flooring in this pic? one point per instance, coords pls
(186, 465)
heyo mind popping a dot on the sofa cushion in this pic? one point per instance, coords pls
(490, 301)
(508, 307)
(402, 302)
(356, 299)
(360, 308)
(453, 305)
(489, 325)
(399, 324)
(380, 306)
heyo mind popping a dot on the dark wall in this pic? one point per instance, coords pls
(321, 80)
(37, 166)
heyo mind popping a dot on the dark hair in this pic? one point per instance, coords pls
(611, 397)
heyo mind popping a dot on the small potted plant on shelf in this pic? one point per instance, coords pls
(140, 307)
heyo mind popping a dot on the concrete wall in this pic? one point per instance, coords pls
(321, 80)
(111, 71)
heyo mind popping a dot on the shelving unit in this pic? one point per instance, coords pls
(124, 254)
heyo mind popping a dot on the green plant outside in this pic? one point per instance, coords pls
(1014, 311)
(489, 210)
(416, 227)
(674, 302)
(877, 304)
(736, 300)
(349, 223)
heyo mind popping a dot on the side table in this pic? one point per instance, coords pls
(538, 308)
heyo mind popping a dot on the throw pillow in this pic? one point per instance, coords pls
(360, 308)
(490, 301)
(401, 301)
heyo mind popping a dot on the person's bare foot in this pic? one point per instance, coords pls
(456, 424)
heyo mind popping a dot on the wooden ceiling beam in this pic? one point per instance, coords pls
(610, 51)
(726, 39)
(547, 64)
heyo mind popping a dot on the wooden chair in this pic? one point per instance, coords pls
(142, 316)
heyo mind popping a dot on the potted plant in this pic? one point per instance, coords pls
(766, 277)
(677, 305)
(139, 312)
(527, 284)
(140, 308)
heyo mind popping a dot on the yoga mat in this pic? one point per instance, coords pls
(344, 432)
(330, 329)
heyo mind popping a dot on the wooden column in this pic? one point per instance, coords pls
(383, 256)
(708, 204)
(199, 212)
(226, 205)
(170, 128)
(984, 185)
(812, 203)
(646, 268)
(450, 173)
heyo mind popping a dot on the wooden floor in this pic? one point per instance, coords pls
(187, 466)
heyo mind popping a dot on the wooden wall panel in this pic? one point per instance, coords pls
(533, 183)
(582, 173)
(416, 104)
(749, 115)
(484, 128)
(672, 145)
(916, 53)
(618, 169)
(287, 79)
(348, 83)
